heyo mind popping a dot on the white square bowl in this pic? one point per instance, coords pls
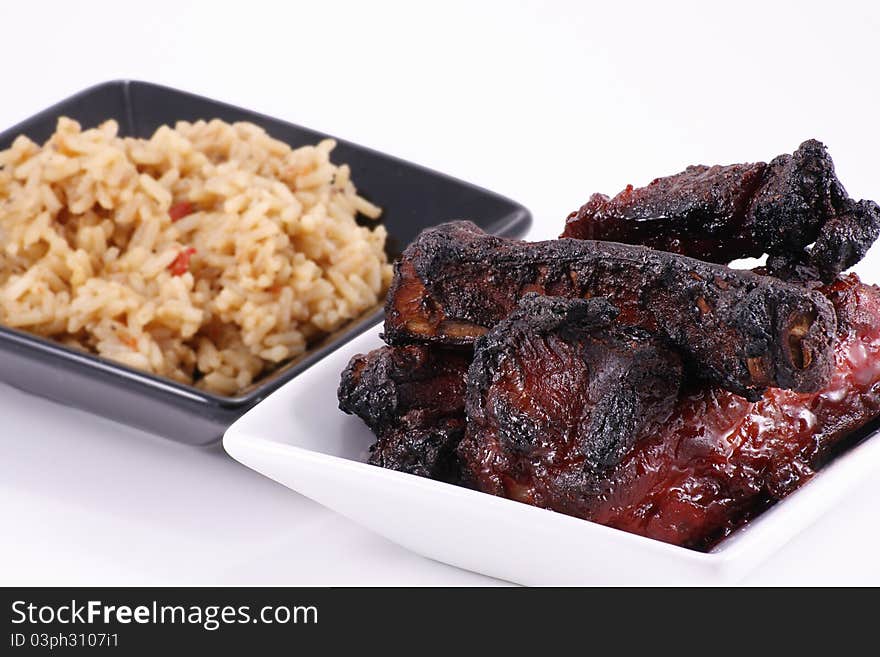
(300, 438)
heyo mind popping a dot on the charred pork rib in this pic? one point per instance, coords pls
(413, 400)
(716, 461)
(737, 329)
(721, 213)
(557, 383)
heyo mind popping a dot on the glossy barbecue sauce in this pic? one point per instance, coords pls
(719, 460)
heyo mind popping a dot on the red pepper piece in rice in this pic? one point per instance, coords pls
(180, 265)
(179, 210)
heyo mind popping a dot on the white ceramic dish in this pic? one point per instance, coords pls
(299, 438)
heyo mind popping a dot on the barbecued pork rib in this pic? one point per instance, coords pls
(722, 213)
(740, 330)
(557, 382)
(717, 460)
(412, 398)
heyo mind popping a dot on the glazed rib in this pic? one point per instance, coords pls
(737, 329)
(721, 213)
(716, 461)
(412, 398)
(558, 382)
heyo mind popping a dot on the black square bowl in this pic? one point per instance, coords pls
(412, 198)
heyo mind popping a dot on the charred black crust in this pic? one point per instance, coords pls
(717, 317)
(366, 388)
(636, 384)
(797, 196)
(541, 315)
(427, 452)
(722, 213)
(846, 238)
(412, 398)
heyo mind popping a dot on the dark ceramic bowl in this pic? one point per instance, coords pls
(412, 198)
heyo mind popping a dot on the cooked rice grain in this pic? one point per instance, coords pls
(207, 253)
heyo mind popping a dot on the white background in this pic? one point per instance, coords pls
(544, 102)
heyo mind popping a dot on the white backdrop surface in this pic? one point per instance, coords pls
(545, 102)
